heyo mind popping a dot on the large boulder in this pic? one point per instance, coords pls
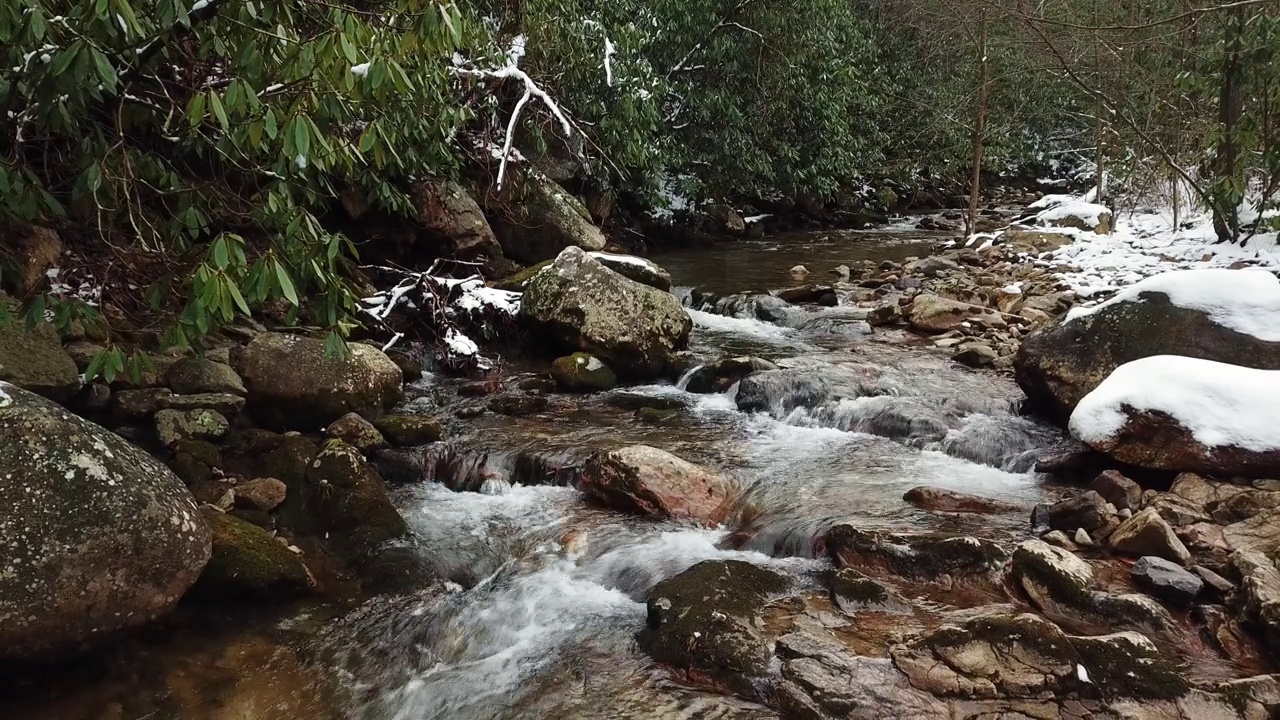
(248, 562)
(534, 219)
(34, 359)
(95, 536)
(345, 502)
(446, 209)
(1185, 414)
(1178, 313)
(292, 383)
(645, 272)
(653, 482)
(585, 306)
(194, 375)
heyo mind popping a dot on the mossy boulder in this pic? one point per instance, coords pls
(195, 460)
(708, 619)
(582, 372)
(193, 375)
(347, 502)
(174, 426)
(518, 281)
(1061, 585)
(293, 383)
(409, 430)
(34, 360)
(926, 558)
(248, 562)
(95, 536)
(537, 219)
(580, 305)
(355, 430)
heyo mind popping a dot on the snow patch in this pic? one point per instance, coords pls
(1221, 405)
(1090, 213)
(362, 69)
(1247, 301)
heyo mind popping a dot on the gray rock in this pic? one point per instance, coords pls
(1059, 539)
(138, 404)
(933, 314)
(1146, 533)
(933, 266)
(1260, 533)
(292, 383)
(582, 305)
(1213, 579)
(96, 535)
(1166, 580)
(1260, 591)
(1082, 538)
(174, 426)
(535, 219)
(34, 359)
(357, 432)
(224, 404)
(720, 375)
(975, 354)
(1087, 510)
(826, 677)
(448, 210)
(645, 272)
(196, 375)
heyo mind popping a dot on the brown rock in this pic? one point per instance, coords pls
(1146, 533)
(1088, 511)
(648, 481)
(936, 499)
(264, 494)
(357, 432)
(1118, 490)
(933, 314)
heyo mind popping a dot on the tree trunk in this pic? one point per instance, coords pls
(979, 124)
(1226, 222)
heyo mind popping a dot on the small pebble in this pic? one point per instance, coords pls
(1082, 538)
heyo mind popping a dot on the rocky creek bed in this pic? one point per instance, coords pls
(805, 493)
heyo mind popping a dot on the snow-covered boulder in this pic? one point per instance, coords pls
(1077, 214)
(1231, 316)
(579, 304)
(645, 272)
(1185, 414)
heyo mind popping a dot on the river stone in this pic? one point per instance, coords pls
(583, 305)
(1260, 533)
(933, 266)
(1087, 510)
(195, 375)
(582, 372)
(225, 404)
(264, 494)
(707, 619)
(248, 562)
(535, 219)
(1060, 363)
(821, 678)
(96, 535)
(447, 210)
(1260, 591)
(346, 502)
(292, 384)
(933, 314)
(34, 359)
(648, 481)
(356, 431)
(936, 499)
(720, 375)
(174, 426)
(409, 430)
(517, 404)
(138, 404)
(1244, 505)
(635, 268)
(853, 592)
(975, 354)
(928, 558)
(1146, 533)
(1166, 580)
(1118, 490)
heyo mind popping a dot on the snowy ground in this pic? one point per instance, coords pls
(1145, 242)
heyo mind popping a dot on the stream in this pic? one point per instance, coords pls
(546, 591)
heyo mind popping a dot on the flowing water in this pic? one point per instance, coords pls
(547, 591)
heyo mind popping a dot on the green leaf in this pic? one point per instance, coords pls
(105, 72)
(220, 255)
(269, 124)
(286, 284)
(301, 137)
(238, 298)
(215, 104)
(63, 60)
(348, 50)
(195, 110)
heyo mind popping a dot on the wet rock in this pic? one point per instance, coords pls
(1177, 511)
(707, 619)
(357, 432)
(1166, 580)
(138, 404)
(853, 592)
(1087, 510)
(412, 430)
(637, 401)
(975, 354)
(536, 219)
(945, 560)
(583, 372)
(1200, 491)
(635, 268)
(96, 536)
(933, 314)
(652, 482)
(447, 210)
(196, 375)
(1213, 579)
(195, 460)
(34, 360)
(937, 499)
(655, 416)
(517, 404)
(264, 494)
(933, 266)
(1059, 539)
(884, 315)
(804, 294)
(1082, 538)
(1260, 532)
(224, 404)
(346, 501)
(1061, 363)
(1118, 490)
(584, 306)
(248, 562)
(174, 426)
(1260, 592)
(1244, 505)
(719, 376)
(1061, 585)
(1146, 533)
(822, 679)
(293, 384)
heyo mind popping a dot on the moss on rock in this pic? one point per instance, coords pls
(248, 561)
(583, 372)
(409, 430)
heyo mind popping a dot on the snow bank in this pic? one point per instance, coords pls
(1247, 301)
(625, 260)
(1221, 405)
(1087, 212)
